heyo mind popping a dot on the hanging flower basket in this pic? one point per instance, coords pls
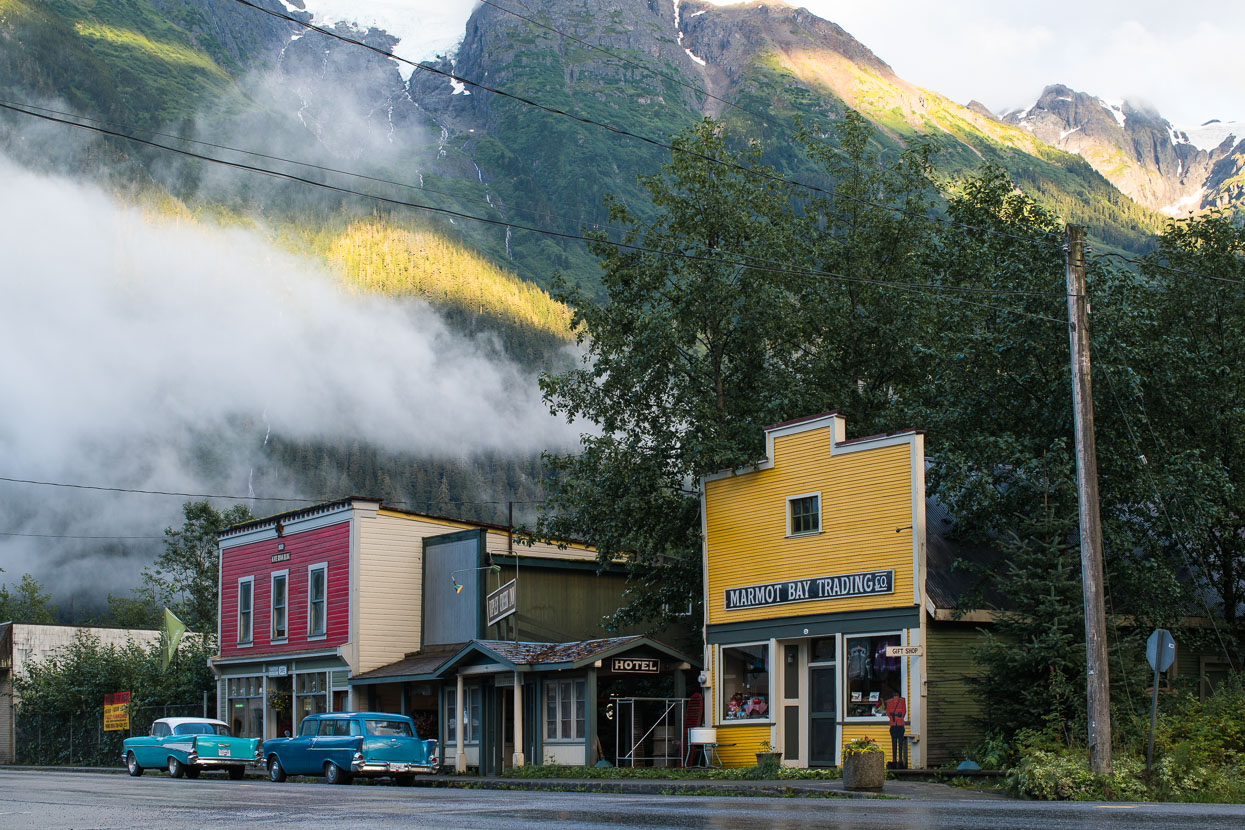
(864, 765)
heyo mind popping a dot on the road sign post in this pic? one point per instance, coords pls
(1160, 653)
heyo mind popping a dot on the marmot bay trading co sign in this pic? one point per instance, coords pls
(807, 590)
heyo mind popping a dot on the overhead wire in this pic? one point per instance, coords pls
(755, 263)
(1158, 495)
(226, 497)
(1181, 271)
(613, 128)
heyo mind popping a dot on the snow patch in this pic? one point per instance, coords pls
(424, 30)
(1065, 133)
(1213, 133)
(679, 34)
(1183, 206)
(1116, 108)
(459, 88)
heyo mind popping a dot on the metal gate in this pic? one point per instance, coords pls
(649, 731)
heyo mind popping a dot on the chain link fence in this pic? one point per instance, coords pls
(48, 740)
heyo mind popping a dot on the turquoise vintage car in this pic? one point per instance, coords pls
(341, 745)
(187, 746)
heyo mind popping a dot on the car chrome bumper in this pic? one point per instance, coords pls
(389, 768)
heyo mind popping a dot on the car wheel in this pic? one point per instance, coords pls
(131, 765)
(176, 768)
(276, 772)
(193, 772)
(236, 773)
(404, 780)
(334, 774)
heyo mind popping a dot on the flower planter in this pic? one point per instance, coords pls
(864, 770)
(769, 759)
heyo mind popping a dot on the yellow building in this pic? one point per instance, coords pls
(814, 562)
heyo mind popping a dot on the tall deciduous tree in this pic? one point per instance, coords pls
(185, 576)
(721, 316)
(26, 603)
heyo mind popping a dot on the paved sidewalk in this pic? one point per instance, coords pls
(809, 788)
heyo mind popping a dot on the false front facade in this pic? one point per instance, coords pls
(814, 576)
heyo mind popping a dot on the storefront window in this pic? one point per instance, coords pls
(871, 675)
(745, 682)
(565, 708)
(244, 698)
(309, 694)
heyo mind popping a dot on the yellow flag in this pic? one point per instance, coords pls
(173, 631)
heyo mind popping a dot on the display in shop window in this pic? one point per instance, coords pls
(871, 673)
(745, 682)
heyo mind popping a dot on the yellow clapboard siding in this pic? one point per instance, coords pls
(738, 745)
(865, 496)
(879, 732)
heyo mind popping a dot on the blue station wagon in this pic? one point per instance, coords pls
(341, 745)
(187, 746)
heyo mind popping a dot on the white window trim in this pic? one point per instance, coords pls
(719, 717)
(310, 568)
(272, 607)
(903, 675)
(820, 515)
(545, 714)
(238, 628)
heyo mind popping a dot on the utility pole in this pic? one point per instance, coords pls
(1097, 685)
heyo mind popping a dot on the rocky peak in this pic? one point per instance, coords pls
(1128, 142)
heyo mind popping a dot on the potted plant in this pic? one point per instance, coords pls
(769, 757)
(864, 765)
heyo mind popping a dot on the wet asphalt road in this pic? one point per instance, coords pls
(85, 800)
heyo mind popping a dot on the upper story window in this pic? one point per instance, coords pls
(317, 590)
(804, 514)
(246, 609)
(280, 605)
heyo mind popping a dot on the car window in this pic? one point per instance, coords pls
(308, 727)
(201, 729)
(332, 726)
(385, 728)
(160, 730)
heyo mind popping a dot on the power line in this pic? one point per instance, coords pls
(63, 536)
(1181, 271)
(765, 121)
(911, 214)
(1179, 540)
(754, 263)
(282, 159)
(225, 497)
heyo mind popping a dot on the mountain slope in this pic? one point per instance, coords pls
(1138, 150)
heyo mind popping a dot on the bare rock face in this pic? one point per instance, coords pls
(1130, 144)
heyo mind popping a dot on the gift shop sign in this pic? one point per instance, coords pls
(808, 590)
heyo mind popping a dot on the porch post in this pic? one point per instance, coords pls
(518, 760)
(590, 725)
(460, 712)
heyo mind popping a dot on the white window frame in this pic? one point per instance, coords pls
(312, 634)
(903, 674)
(820, 514)
(719, 717)
(451, 717)
(576, 683)
(250, 611)
(272, 608)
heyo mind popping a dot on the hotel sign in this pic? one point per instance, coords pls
(635, 665)
(809, 590)
(502, 602)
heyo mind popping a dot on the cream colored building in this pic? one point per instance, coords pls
(23, 643)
